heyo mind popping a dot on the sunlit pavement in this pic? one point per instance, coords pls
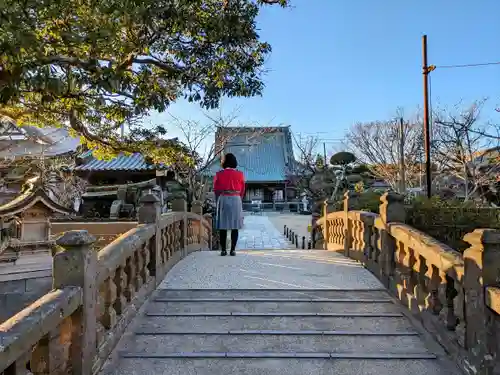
(287, 269)
(259, 233)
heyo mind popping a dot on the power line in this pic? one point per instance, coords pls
(466, 65)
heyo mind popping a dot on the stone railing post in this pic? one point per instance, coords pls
(149, 212)
(350, 199)
(76, 265)
(316, 242)
(180, 205)
(328, 206)
(481, 265)
(391, 210)
(209, 235)
(197, 208)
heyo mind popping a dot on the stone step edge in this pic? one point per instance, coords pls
(277, 314)
(304, 355)
(270, 290)
(260, 300)
(159, 332)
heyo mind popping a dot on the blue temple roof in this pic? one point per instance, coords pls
(261, 157)
(132, 163)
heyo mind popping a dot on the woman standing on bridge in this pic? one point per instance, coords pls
(229, 188)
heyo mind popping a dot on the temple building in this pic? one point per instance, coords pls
(115, 186)
(265, 156)
(121, 169)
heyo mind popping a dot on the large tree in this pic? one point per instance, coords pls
(96, 65)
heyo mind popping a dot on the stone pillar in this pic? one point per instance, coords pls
(316, 241)
(350, 199)
(180, 205)
(481, 262)
(197, 208)
(209, 235)
(328, 206)
(391, 210)
(76, 265)
(149, 212)
(149, 209)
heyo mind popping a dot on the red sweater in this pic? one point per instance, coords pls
(229, 180)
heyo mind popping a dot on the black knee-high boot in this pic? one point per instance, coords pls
(234, 241)
(223, 241)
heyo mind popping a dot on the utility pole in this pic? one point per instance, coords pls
(402, 155)
(324, 153)
(427, 137)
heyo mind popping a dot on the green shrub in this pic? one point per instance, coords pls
(449, 220)
(445, 220)
(369, 201)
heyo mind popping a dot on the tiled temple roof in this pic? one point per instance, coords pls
(263, 156)
(131, 163)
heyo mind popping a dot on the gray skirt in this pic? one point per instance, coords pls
(229, 214)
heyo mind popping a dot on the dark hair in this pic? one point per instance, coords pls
(229, 161)
(170, 174)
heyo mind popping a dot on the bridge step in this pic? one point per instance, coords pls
(278, 366)
(252, 306)
(338, 343)
(270, 314)
(274, 294)
(195, 324)
(324, 355)
(268, 332)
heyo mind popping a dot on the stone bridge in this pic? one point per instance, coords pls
(375, 296)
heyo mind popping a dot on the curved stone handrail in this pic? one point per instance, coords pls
(46, 319)
(122, 248)
(433, 280)
(436, 253)
(99, 292)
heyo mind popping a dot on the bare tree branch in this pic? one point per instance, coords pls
(461, 147)
(377, 144)
(310, 175)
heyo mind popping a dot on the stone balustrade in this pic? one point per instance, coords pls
(74, 328)
(455, 296)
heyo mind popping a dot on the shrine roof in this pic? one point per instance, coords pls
(32, 195)
(132, 163)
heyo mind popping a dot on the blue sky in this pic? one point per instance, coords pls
(337, 62)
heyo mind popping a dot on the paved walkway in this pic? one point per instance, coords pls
(290, 269)
(259, 233)
(297, 223)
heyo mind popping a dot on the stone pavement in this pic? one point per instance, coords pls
(270, 312)
(288, 269)
(295, 222)
(259, 233)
